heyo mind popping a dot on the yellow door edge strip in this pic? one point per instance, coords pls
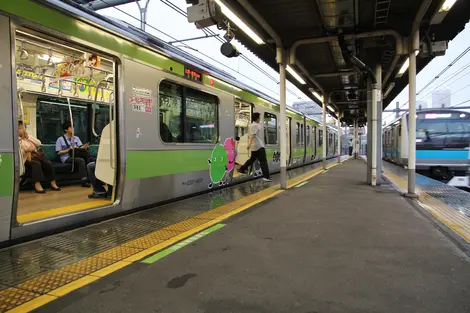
(424, 202)
(29, 217)
(86, 280)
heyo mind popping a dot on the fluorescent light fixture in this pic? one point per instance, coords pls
(436, 115)
(447, 5)
(389, 89)
(46, 57)
(330, 108)
(234, 18)
(296, 76)
(405, 65)
(224, 83)
(317, 95)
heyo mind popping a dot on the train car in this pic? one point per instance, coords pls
(159, 123)
(442, 142)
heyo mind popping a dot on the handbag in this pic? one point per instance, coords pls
(77, 152)
(38, 155)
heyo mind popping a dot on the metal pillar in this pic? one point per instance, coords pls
(281, 59)
(339, 137)
(356, 139)
(414, 46)
(378, 75)
(369, 131)
(143, 14)
(325, 135)
(374, 134)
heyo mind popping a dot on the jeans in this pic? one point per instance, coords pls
(98, 185)
(261, 156)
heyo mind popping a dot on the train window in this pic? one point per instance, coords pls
(270, 128)
(302, 134)
(320, 138)
(187, 115)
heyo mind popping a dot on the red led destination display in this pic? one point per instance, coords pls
(192, 74)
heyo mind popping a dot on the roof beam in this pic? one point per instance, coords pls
(334, 74)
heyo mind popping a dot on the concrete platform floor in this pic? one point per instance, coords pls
(332, 245)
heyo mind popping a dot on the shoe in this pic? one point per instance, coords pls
(40, 191)
(267, 179)
(86, 185)
(97, 196)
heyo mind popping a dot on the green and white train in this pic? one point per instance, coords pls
(175, 119)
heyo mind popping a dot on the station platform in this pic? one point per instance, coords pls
(330, 243)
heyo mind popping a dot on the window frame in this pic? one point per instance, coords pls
(183, 110)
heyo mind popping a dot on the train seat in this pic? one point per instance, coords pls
(63, 170)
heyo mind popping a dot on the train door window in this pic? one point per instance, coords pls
(307, 133)
(187, 115)
(297, 133)
(320, 138)
(270, 128)
(314, 140)
(59, 82)
(302, 134)
(242, 115)
(288, 134)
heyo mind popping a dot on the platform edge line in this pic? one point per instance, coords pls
(33, 304)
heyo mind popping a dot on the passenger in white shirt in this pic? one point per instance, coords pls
(256, 145)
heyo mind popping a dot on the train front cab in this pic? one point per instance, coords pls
(53, 80)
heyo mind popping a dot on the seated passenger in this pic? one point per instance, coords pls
(34, 161)
(63, 147)
(98, 186)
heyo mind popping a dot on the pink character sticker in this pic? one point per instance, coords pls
(229, 146)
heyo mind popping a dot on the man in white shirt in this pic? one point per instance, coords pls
(256, 145)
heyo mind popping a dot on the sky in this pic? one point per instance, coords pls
(169, 21)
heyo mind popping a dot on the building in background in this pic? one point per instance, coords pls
(441, 99)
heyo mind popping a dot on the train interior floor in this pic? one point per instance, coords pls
(330, 243)
(33, 206)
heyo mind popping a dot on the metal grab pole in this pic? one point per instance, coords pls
(325, 135)
(339, 137)
(73, 135)
(281, 59)
(412, 117)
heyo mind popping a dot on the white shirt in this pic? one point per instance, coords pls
(257, 130)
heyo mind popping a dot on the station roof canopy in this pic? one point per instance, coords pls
(320, 37)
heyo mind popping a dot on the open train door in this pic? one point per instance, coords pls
(106, 158)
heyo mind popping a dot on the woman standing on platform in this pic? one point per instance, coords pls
(35, 161)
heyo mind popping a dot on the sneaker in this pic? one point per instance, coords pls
(267, 179)
(97, 196)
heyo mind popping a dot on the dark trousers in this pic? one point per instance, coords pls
(259, 155)
(98, 185)
(80, 167)
(350, 150)
(40, 169)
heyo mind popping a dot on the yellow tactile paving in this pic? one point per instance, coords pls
(13, 297)
(49, 281)
(27, 296)
(450, 217)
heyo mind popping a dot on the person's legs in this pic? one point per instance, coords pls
(263, 161)
(98, 188)
(36, 175)
(49, 172)
(80, 167)
(248, 163)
